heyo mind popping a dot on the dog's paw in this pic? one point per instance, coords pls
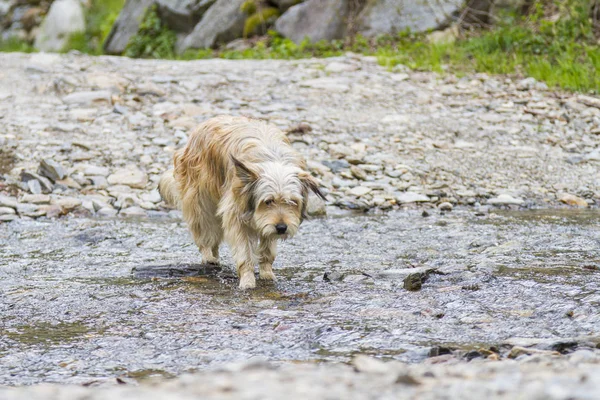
(267, 276)
(247, 281)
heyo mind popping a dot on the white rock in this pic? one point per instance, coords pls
(7, 211)
(505, 199)
(133, 212)
(152, 197)
(410, 197)
(131, 176)
(64, 18)
(359, 191)
(99, 97)
(6, 201)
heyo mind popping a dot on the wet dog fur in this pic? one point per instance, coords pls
(239, 180)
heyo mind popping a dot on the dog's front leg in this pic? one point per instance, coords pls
(267, 250)
(243, 250)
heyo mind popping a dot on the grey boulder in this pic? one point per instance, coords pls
(393, 16)
(221, 23)
(315, 20)
(126, 25)
(182, 15)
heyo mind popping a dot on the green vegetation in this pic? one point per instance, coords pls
(15, 45)
(99, 19)
(153, 39)
(257, 21)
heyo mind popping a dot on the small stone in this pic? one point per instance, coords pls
(572, 200)
(505, 199)
(7, 210)
(133, 212)
(106, 212)
(99, 97)
(94, 170)
(131, 176)
(526, 84)
(34, 186)
(29, 210)
(51, 170)
(359, 191)
(8, 217)
(36, 198)
(445, 206)
(327, 84)
(358, 173)
(45, 184)
(68, 203)
(6, 201)
(367, 364)
(152, 197)
(316, 206)
(410, 197)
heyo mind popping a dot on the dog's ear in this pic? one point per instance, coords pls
(246, 175)
(310, 183)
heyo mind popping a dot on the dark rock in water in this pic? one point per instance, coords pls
(414, 282)
(440, 351)
(473, 354)
(425, 214)
(332, 276)
(175, 270)
(52, 170)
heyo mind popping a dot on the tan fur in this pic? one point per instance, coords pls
(239, 180)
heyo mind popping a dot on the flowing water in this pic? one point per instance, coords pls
(88, 299)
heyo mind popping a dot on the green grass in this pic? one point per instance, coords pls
(99, 19)
(15, 45)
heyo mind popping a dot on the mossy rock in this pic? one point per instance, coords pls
(248, 7)
(260, 21)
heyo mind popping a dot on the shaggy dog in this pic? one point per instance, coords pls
(240, 180)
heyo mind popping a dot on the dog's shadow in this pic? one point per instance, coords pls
(174, 271)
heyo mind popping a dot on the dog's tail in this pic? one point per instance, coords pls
(167, 187)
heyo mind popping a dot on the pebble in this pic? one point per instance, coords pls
(131, 176)
(36, 198)
(445, 206)
(505, 199)
(133, 212)
(7, 210)
(6, 201)
(359, 191)
(572, 200)
(52, 170)
(89, 98)
(410, 197)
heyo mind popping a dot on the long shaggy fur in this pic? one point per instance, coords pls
(239, 180)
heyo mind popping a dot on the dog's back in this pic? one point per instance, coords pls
(205, 163)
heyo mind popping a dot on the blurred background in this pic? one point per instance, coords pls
(550, 40)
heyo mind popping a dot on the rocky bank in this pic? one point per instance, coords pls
(91, 136)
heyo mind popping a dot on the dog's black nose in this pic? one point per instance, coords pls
(281, 228)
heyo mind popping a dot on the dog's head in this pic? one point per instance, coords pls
(276, 196)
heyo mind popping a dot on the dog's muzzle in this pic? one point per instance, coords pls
(281, 229)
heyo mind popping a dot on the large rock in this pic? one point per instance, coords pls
(222, 23)
(126, 25)
(64, 19)
(315, 20)
(182, 15)
(283, 5)
(392, 16)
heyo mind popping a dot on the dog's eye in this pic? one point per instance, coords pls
(268, 202)
(293, 203)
